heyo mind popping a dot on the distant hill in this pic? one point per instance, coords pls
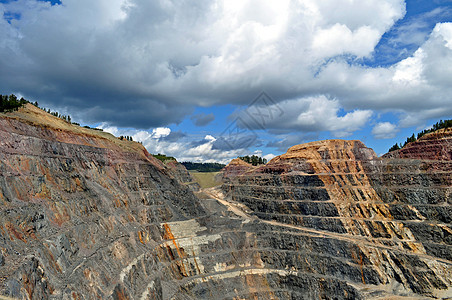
(203, 167)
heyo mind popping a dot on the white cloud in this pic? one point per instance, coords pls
(160, 132)
(339, 39)
(269, 156)
(148, 63)
(166, 56)
(313, 114)
(210, 138)
(385, 130)
(444, 31)
(416, 86)
(157, 141)
(409, 71)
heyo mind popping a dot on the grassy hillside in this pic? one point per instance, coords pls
(205, 179)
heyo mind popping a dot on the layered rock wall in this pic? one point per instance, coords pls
(393, 215)
(79, 208)
(85, 215)
(182, 174)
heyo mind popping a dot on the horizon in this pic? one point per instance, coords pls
(208, 82)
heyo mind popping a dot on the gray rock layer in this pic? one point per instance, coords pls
(85, 216)
(383, 226)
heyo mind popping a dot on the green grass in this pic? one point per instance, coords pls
(163, 157)
(205, 179)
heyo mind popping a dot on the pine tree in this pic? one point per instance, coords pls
(394, 147)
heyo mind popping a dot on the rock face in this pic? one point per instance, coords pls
(85, 215)
(377, 227)
(235, 168)
(182, 174)
(433, 146)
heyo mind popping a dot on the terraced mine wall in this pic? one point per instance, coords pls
(85, 215)
(82, 213)
(380, 225)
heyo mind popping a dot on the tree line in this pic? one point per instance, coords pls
(254, 160)
(127, 138)
(437, 126)
(203, 167)
(11, 103)
(66, 118)
(58, 115)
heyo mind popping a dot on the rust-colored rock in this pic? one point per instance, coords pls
(394, 213)
(235, 167)
(85, 215)
(432, 146)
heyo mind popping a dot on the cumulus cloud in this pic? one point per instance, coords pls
(313, 114)
(146, 64)
(269, 156)
(384, 130)
(180, 145)
(160, 132)
(142, 64)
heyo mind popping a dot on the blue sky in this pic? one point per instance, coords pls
(187, 79)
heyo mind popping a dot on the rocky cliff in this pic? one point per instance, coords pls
(182, 174)
(235, 168)
(433, 146)
(85, 215)
(379, 226)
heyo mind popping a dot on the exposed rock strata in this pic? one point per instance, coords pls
(182, 174)
(235, 168)
(85, 215)
(384, 223)
(433, 146)
(81, 209)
